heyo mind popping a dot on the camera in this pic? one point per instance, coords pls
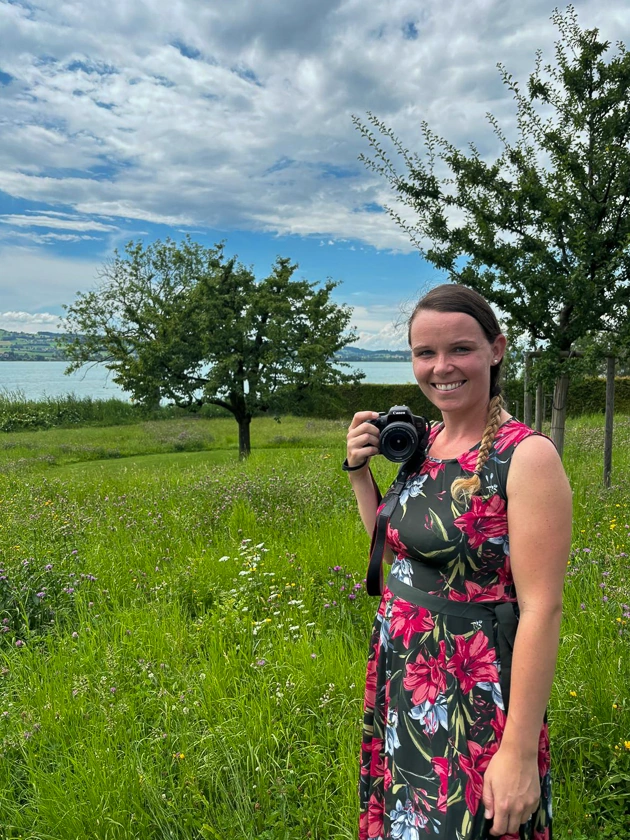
(402, 433)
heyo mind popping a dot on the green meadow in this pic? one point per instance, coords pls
(183, 636)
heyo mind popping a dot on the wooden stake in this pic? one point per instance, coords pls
(527, 397)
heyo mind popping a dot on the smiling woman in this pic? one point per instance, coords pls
(455, 738)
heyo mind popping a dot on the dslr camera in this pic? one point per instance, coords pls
(402, 433)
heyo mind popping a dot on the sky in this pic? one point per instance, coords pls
(231, 120)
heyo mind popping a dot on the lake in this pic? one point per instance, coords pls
(36, 380)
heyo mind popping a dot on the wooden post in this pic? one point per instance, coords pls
(559, 411)
(540, 406)
(527, 397)
(610, 410)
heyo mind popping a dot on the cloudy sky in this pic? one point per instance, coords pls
(232, 120)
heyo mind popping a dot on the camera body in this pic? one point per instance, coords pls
(403, 434)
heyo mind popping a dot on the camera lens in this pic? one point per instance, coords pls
(398, 442)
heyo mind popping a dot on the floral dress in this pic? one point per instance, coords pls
(436, 697)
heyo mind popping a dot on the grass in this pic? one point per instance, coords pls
(194, 666)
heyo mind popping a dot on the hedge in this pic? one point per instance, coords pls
(585, 397)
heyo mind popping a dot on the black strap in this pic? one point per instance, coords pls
(374, 577)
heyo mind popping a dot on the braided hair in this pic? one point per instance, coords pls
(451, 297)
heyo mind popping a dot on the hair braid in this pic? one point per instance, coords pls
(463, 489)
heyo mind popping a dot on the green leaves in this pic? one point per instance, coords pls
(183, 323)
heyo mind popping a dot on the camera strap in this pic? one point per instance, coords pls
(374, 577)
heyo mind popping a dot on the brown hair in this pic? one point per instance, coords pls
(451, 297)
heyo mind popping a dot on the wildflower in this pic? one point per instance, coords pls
(337, 568)
(19, 643)
(351, 596)
(261, 662)
(48, 567)
(112, 689)
(582, 606)
(627, 744)
(573, 693)
(75, 635)
(313, 656)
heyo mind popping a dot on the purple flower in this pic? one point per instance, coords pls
(48, 567)
(19, 643)
(587, 550)
(337, 568)
(41, 594)
(582, 606)
(313, 656)
(261, 662)
(74, 551)
(605, 599)
(113, 690)
(351, 596)
(326, 606)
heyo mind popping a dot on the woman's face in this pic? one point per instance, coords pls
(452, 359)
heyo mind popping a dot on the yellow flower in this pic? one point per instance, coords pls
(615, 706)
(573, 693)
(627, 744)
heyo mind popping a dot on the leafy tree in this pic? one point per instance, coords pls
(182, 322)
(543, 231)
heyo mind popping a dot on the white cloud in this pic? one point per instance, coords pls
(54, 221)
(34, 281)
(29, 322)
(238, 115)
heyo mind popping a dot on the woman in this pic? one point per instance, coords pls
(484, 523)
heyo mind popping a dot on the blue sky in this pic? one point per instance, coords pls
(232, 121)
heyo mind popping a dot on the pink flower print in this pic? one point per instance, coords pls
(468, 461)
(511, 434)
(473, 661)
(376, 810)
(394, 540)
(370, 685)
(544, 760)
(426, 678)
(408, 619)
(485, 519)
(475, 592)
(498, 724)
(377, 764)
(433, 468)
(474, 766)
(443, 771)
(387, 780)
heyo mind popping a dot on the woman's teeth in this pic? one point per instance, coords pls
(450, 386)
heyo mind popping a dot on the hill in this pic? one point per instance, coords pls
(29, 347)
(42, 347)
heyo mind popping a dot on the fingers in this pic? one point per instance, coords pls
(362, 438)
(362, 417)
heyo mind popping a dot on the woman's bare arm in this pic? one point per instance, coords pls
(539, 524)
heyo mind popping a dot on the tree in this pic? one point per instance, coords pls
(543, 231)
(182, 322)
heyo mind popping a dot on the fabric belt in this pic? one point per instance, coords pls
(504, 613)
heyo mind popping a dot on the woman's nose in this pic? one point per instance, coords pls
(442, 362)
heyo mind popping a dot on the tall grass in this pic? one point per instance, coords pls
(184, 638)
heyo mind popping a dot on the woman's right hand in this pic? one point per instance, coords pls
(362, 438)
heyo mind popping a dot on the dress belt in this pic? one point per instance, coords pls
(504, 613)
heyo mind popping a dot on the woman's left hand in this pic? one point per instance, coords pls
(511, 790)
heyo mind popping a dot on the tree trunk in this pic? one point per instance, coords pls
(559, 411)
(527, 397)
(244, 443)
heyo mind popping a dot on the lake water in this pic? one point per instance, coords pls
(47, 379)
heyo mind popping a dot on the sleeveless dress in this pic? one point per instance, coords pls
(436, 696)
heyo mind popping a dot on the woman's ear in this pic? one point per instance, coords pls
(498, 348)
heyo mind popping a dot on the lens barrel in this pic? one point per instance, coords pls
(398, 442)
